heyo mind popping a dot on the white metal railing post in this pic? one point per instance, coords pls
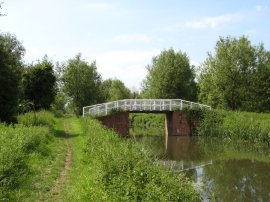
(83, 111)
(106, 108)
(181, 105)
(170, 105)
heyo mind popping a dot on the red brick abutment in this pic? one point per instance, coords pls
(176, 123)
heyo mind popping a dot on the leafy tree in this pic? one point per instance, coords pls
(114, 89)
(11, 53)
(170, 76)
(82, 83)
(39, 84)
(231, 77)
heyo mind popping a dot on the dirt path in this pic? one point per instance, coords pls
(54, 194)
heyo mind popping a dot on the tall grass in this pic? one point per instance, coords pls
(17, 144)
(41, 118)
(254, 127)
(116, 169)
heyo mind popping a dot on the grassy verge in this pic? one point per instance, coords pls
(109, 168)
(253, 127)
(26, 155)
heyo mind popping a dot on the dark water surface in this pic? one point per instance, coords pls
(224, 170)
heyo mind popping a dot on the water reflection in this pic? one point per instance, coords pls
(226, 171)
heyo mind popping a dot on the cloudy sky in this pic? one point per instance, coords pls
(123, 35)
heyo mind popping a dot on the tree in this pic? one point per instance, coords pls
(11, 53)
(170, 76)
(82, 83)
(231, 77)
(114, 89)
(39, 84)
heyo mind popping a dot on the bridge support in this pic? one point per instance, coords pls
(177, 123)
(119, 122)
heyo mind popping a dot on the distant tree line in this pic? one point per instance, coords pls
(235, 77)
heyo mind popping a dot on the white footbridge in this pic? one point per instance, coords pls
(141, 105)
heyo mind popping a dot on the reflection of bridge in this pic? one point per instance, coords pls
(180, 166)
(115, 114)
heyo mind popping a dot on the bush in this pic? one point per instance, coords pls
(41, 118)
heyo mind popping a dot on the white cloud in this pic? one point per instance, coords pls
(128, 66)
(212, 22)
(138, 38)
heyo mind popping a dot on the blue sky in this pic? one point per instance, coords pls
(123, 35)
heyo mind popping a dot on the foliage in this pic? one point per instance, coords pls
(113, 169)
(153, 124)
(58, 106)
(247, 126)
(39, 84)
(19, 145)
(114, 89)
(170, 76)
(41, 118)
(237, 76)
(11, 52)
(82, 83)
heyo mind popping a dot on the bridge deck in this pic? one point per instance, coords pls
(142, 106)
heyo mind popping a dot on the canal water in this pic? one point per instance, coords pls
(224, 170)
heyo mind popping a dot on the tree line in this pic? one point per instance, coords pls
(42, 84)
(235, 77)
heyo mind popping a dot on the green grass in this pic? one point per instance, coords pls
(105, 167)
(41, 118)
(254, 127)
(27, 155)
(109, 168)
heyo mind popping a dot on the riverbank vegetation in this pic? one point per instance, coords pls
(250, 126)
(116, 169)
(104, 166)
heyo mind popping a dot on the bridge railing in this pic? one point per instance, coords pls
(141, 105)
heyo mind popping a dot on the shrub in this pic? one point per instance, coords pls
(41, 118)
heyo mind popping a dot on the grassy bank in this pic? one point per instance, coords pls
(147, 124)
(109, 168)
(254, 127)
(27, 148)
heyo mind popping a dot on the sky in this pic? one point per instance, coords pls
(123, 36)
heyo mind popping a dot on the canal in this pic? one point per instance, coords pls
(222, 169)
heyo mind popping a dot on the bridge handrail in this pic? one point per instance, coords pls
(141, 105)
